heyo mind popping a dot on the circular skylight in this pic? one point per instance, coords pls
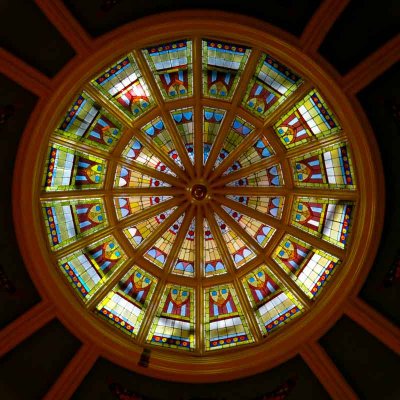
(198, 194)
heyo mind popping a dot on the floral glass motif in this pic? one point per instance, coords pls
(271, 176)
(184, 265)
(174, 324)
(259, 231)
(136, 152)
(159, 252)
(68, 169)
(239, 131)
(126, 304)
(123, 85)
(140, 231)
(309, 118)
(69, 220)
(183, 119)
(213, 262)
(274, 305)
(212, 120)
(272, 206)
(258, 152)
(171, 64)
(271, 85)
(88, 269)
(225, 323)
(310, 268)
(89, 123)
(328, 219)
(128, 178)
(223, 64)
(161, 138)
(328, 167)
(132, 205)
(237, 248)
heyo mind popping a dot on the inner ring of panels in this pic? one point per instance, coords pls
(198, 204)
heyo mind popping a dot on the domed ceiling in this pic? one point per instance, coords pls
(199, 194)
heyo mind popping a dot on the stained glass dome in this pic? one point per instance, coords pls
(198, 193)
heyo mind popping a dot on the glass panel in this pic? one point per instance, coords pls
(135, 151)
(88, 269)
(274, 305)
(171, 64)
(212, 120)
(127, 206)
(225, 324)
(237, 248)
(125, 305)
(310, 268)
(89, 123)
(240, 129)
(328, 167)
(183, 119)
(213, 263)
(258, 152)
(68, 169)
(272, 206)
(328, 219)
(161, 138)
(184, 265)
(140, 231)
(125, 177)
(123, 84)
(271, 176)
(271, 85)
(259, 231)
(223, 64)
(159, 252)
(309, 118)
(69, 220)
(174, 324)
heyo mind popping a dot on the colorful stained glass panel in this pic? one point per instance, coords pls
(174, 324)
(69, 220)
(274, 305)
(88, 269)
(310, 268)
(309, 118)
(89, 123)
(272, 84)
(123, 84)
(213, 262)
(126, 304)
(171, 64)
(68, 169)
(225, 323)
(223, 64)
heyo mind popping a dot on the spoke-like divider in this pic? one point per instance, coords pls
(148, 191)
(143, 247)
(134, 128)
(166, 116)
(234, 225)
(246, 171)
(246, 308)
(198, 110)
(123, 223)
(199, 268)
(232, 108)
(176, 246)
(340, 194)
(298, 95)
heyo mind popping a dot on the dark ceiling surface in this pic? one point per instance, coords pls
(367, 365)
